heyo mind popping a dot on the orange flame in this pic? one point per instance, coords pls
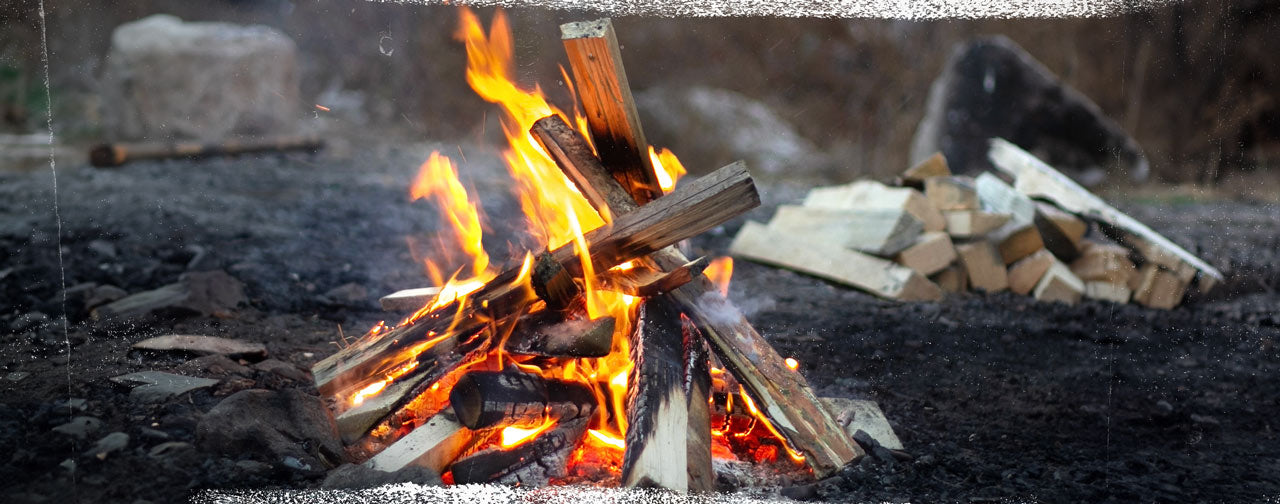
(514, 436)
(792, 364)
(720, 271)
(438, 179)
(667, 167)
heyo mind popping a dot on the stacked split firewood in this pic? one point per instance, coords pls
(1028, 229)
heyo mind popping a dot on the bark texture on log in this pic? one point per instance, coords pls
(532, 463)
(488, 399)
(657, 410)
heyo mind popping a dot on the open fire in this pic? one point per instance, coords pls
(580, 363)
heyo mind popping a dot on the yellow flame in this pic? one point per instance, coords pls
(667, 167)
(760, 417)
(792, 364)
(512, 435)
(720, 271)
(607, 439)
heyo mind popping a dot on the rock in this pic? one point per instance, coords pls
(993, 88)
(204, 345)
(103, 294)
(355, 476)
(283, 369)
(167, 79)
(103, 249)
(202, 293)
(854, 415)
(79, 427)
(711, 127)
(109, 444)
(215, 365)
(157, 386)
(351, 294)
(28, 321)
(17, 376)
(272, 425)
(170, 449)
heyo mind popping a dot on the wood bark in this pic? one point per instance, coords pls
(657, 410)
(783, 395)
(489, 399)
(532, 463)
(643, 281)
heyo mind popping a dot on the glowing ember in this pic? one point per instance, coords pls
(514, 436)
(792, 363)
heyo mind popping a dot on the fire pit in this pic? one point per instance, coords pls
(607, 356)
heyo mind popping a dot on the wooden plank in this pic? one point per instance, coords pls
(865, 194)
(642, 281)
(881, 232)
(1104, 263)
(934, 166)
(973, 223)
(1107, 291)
(596, 62)
(408, 299)
(931, 253)
(983, 263)
(1036, 179)
(832, 262)
(1059, 284)
(657, 410)
(433, 445)
(784, 397)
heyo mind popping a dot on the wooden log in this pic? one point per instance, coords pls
(1026, 273)
(1059, 284)
(781, 395)
(697, 394)
(643, 281)
(606, 99)
(934, 166)
(869, 195)
(880, 232)
(545, 333)
(1036, 179)
(532, 463)
(973, 223)
(1107, 291)
(983, 264)
(1017, 243)
(433, 445)
(931, 253)
(877, 276)
(1061, 231)
(951, 193)
(687, 211)
(1104, 263)
(553, 283)
(1156, 287)
(116, 154)
(1019, 237)
(408, 299)
(952, 279)
(489, 399)
(657, 409)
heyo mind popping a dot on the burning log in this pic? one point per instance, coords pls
(434, 444)
(541, 334)
(116, 154)
(611, 112)
(442, 340)
(488, 399)
(532, 463)
(553, 283)
(781, 394)
(643, 281)
(657, 410)
(408, 299)
(697, 394)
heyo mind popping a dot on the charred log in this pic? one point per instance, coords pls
(532, 463)
(488, 399)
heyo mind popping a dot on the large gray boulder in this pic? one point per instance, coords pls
(167, 79)
(992, 88)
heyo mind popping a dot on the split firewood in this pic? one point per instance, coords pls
(434, 445)
(983, 264)
(489, 399)
(547, 334)
(532, 463)
(697, 393)
(1027, 272)
(951, 193)
(931, 253)
(1036, 179)
(1104, 263)
(1152, 253)
(933, 166)
(553, 283)
(952, 279)
(642, 281)
(861, 415)
(865, 194)
(1156, 287)
(1059, 284)
(116, 154)
(1062, 232)
(657, 410)
(1107, 291)
(880, 232)
(973, 223)
(781, 395)
(408, 299)
(826, 260)
(1017, 243)
(1019, 237)
(689, 210)
(596, 62)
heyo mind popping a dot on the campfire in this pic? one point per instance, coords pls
(605, 356)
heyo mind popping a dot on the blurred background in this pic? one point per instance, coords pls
(1192, 82)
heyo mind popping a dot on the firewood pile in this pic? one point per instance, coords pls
(1028, 229)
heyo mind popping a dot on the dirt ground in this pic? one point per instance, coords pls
(995, 397)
